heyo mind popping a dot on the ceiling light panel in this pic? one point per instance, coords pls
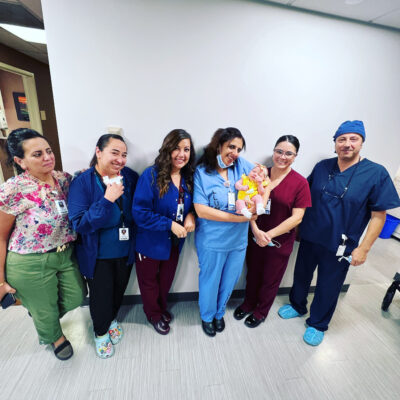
(28, 34)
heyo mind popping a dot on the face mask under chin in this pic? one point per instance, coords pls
(221, 164)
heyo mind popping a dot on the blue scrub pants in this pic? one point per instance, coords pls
(331, 276)
(219, 273)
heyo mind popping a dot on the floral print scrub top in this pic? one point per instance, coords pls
(39, 227)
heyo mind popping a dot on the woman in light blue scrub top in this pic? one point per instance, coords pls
(221, 235)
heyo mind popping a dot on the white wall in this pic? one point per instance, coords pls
(153, 65)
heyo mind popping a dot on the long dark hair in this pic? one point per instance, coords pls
(163, 162)
(291, 139)
(15, 141)
(102, 143)
(221, 136)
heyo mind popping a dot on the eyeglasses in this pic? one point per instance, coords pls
(336, 196)
(331, 176)
(288, 154)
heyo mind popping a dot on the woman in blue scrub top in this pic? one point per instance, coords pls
(100, 204)
(221, 235)
(163, 212)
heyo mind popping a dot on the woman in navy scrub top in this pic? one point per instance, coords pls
(100, 204)
(221, 235)
(163, 212)
(285, 209)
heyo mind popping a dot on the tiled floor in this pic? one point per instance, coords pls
(359, 358)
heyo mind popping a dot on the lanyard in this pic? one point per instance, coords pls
(119, 201)
(181, 194)
(181, 204)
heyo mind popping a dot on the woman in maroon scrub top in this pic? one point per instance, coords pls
(274, 234)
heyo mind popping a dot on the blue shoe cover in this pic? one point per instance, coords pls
(313, 336)
(287, 312)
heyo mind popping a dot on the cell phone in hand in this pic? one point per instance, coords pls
(8, 300)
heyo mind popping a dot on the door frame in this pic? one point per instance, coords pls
(28, 79)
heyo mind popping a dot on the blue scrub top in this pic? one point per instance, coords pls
(210, 190)
(335, 211)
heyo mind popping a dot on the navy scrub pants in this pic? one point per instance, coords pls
(331, 275)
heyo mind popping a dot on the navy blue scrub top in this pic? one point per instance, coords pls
(336, 210)
(109, 244)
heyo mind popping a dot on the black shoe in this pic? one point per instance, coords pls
(160, 326)
(166, 316)
(219, 324)
(63, 351)
(387, 300)
(239, 313)
(252, 322)
(208, 328)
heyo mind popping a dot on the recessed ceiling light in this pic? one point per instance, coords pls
(352, 2)
(28, 34)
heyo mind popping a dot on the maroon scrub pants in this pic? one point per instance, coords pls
(155, 279)
(265, 269)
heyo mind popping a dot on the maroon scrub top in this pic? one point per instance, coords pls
(292, 192)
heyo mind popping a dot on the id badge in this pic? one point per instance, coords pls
(61, 207)
(123, 233)
(340, 250)
(231, 201)
(179, 212)
(268, 207)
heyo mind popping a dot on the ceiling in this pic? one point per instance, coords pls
(24, 13)
(374, 12)
(379, 13)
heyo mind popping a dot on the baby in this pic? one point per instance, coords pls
(251, 187)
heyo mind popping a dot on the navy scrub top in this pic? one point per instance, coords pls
(336, 210)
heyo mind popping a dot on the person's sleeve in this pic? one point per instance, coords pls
(64, 179)
(384, 195)
(132, 177)
(310, 177)
(143, 209)
(303, 195)
(199, 196)
(11, 200)
(86, 217)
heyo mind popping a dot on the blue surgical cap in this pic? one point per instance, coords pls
(350, 127)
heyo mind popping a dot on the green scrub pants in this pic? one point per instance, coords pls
(48, 285)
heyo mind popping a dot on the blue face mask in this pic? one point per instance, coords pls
(221, 164)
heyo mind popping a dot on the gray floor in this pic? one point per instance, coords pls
(359, 358)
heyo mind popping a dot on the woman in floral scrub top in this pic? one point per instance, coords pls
(36, 261)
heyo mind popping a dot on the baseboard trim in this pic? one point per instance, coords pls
(131, 299)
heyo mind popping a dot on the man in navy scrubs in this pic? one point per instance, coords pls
(348, 192)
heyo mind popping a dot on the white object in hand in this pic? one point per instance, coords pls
(109, 181)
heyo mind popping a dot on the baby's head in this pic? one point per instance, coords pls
(258, 170)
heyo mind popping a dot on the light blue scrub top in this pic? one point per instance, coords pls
(335, 211)
(210, 190)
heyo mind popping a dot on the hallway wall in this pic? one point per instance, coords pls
(151, 66)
